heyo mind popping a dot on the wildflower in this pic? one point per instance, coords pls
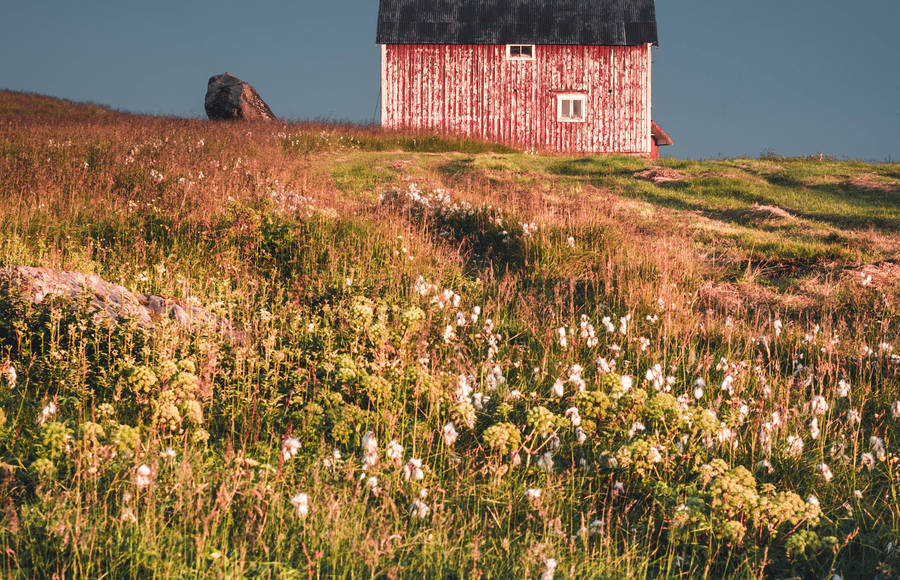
(635, 427)
(11, 376)
(654, 376)
(334, 460)
(449, 334)
(644, 343)
(533, 494)
(289, 448)
(857, 494)
(301, 504)
(128, 515)
(419, 509)
(580, 435)
(549, 569)
(394, 451)
(557, 388)
(725, 435)
(728, 384)
(587, 332)
(626, 383)
(795, 445)
(765, 439)
(545, 461)
(412, 471)
(169, 453)
(575, 377)
(843, 389)
(877, 445)
(372, 485)
(463, 389)
(450, 434)
(853, 417)
(895, 409)
(47, 412)
(825, 471)
(607, 322)
(570, 241)
(369, 443)
(623, 324)
(653, 455)
(143, 477)
(574, 416)
(603, 365)
(618, 487)
(867, 460)
(561, 337)
(814, 428)
(818, 405)
(764, 465)
(698, 388)
(370, 450)
(495, 378)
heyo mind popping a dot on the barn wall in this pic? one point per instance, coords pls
(474, 90)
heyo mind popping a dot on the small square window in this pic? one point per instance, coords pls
(570, 108)
(520, 51)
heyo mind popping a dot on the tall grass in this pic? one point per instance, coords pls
(600, 376)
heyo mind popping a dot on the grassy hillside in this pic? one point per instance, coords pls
(452, 359)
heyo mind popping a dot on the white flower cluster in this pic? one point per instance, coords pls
(289, 448)
(9, 373)
(588, 334)
(438, 201)
(291, 201)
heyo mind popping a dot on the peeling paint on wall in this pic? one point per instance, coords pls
(476, 91)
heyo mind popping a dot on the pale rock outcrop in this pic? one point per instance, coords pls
(107, 299)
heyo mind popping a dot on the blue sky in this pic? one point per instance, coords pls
(730, 78)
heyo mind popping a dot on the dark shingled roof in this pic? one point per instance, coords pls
(590, 22)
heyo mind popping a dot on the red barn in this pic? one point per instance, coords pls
(544, 75)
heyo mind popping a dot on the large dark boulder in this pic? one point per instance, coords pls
(229, 98)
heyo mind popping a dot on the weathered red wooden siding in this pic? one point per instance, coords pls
(474, 90)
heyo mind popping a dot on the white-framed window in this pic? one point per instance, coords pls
(520, 51)
(571, 108)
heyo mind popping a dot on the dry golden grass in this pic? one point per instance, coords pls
(319, 243)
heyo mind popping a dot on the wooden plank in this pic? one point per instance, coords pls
(474, 90)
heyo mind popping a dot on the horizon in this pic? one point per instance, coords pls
(778, 87)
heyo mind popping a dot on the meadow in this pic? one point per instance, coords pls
(450, 359)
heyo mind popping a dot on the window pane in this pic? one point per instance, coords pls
(577, 112)
(566, 108)
(526, 51)
(515, 50)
